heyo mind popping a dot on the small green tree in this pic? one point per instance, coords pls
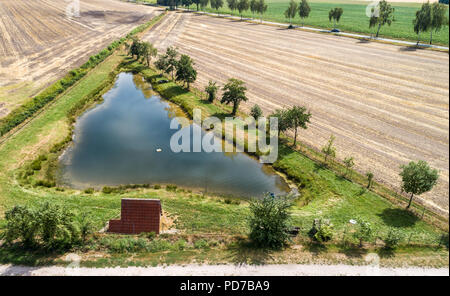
(321, 231)
(349, 163)
(234, 93)
(232, 5)
(262, 8)
(364, 231)
(422, 22)
(254, 7)
(369, 176)
(185, 70)
(148, 51)
(283, 120)
(242, 6)
(291, 11)
(21, 224)
(216, 4)
(211, 90)
(381, 15)
(171, 58)
(203, 4)
(187, 3)
(417, 178)
(335, 15)
(304, 10)
(393, 238)
(256, 112)
(269, 221)
(438, 18)
(161, 63)
(329, 149)
(298, 117)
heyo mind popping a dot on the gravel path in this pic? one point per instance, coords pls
(224, 270)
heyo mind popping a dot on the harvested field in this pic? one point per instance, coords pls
(39, 43)
(385, 104)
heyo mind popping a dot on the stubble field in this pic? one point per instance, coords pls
(385, 104)
(39, 43)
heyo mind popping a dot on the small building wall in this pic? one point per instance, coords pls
(137, 215)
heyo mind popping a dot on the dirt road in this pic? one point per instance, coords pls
(224, 270)
(385, 104)
(39, 43)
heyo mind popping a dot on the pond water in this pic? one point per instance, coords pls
(116, 143)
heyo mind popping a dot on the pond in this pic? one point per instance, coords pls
(126, 140)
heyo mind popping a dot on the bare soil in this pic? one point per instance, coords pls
(39, 43)
(386, 105)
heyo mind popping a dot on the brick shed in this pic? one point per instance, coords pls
(138, 215)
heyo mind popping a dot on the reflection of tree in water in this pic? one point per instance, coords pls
(143, 85)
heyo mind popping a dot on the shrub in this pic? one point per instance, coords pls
(393, 238)
(321, 231)
(45, 183)
(36, 165)
(364, 231)
(107, 190)
(89, 190)
(201, 244)
(179, 245)
(171, 187)
(49, 226)
(157, 186)
(269, 221)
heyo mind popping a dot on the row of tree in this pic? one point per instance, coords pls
(181, 69)
(430, 17)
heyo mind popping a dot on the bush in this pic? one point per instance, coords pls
(201, 244)
(393, 238)
(364, 231)
(107, 190)
(171, 187)
(157, 186)
(45, 183)
(36, 165)
(49, 226)
(269, 221)
(89, 190)
(256, 112)
(321, 231)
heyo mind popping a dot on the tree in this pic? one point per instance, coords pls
(262, 8)
(291, 11)
(234, 92)
(134, 49)
(422, 22)
(335, 15)
(438, 18)
(417, 178)
(211, 90)
(242, 6)
(147, 51)
(383, 14)
(329, 149)
(304, 10)
(187, 3)
(203, 4)
(393, 238)
(256, 112)
(216, 4)
(232, 4)
(171, 58)
(196, 2)
(161, 63)
(269, 221)
(349, 163)
(185, 70)
(369, 176)
(283, 121)
(298, 117)
(364, 231)
(253, 7)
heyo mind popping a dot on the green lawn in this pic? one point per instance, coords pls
(354, 18)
